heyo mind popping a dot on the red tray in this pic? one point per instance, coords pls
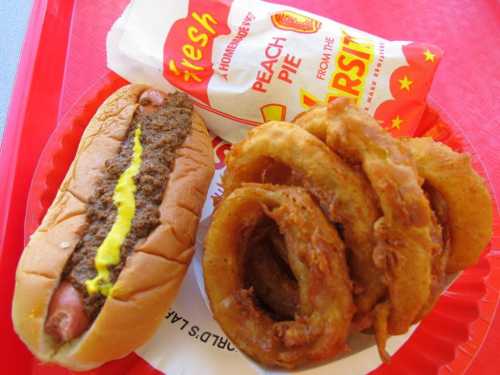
(63, 57)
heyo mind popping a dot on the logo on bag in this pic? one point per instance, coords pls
(293, 21)
(187, 52)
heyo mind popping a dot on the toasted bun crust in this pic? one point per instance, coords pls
(139, 299)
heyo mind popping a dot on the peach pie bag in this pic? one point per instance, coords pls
(245, 62)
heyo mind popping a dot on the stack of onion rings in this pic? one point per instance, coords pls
(409, 211)
(343, 193)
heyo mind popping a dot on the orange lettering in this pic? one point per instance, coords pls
(360, 54)
(190, 75)
(343, 82)
(189, 65)
(196, 36)
(263, 77)
(187, 75)
(204, 20)
(353, 64)
(268, 65)
(191, 52)
(258, 86)
(173, 68)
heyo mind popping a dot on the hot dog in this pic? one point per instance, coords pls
(98, 275)
(66, 318)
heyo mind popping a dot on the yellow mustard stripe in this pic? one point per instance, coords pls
(108, 253)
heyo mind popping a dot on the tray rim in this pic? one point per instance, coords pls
(460, 362)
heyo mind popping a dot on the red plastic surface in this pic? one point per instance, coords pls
(64, 54)
(433, 344)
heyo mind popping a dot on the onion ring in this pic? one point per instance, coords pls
(440, 235)
(468, 226)
(344, 194)
(316, 257)
(468, 202)
(409, 211)
(405, 231)
(267, 271)
(406, 245)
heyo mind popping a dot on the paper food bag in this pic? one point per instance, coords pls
(246, 62)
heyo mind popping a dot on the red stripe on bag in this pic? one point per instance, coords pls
(187, 52)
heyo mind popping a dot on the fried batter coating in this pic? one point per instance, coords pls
(469, 226)
(343, 193)
(440, 235)
(405, 242)
(410, 210)
(317, 260)
(406, 234)
(468, 202)
(267, 271)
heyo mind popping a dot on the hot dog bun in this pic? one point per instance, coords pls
(139, 299)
